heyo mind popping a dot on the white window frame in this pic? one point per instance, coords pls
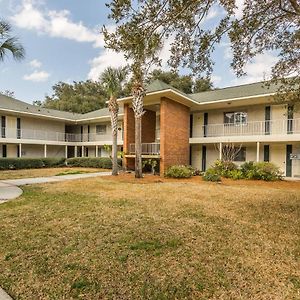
(237, 117)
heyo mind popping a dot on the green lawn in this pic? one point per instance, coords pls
(104, 239)
(44, 172)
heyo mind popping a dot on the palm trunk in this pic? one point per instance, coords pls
(138, 147)
(138, 109)
(115, 168)
(114, 109)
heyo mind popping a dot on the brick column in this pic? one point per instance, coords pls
(174, 134)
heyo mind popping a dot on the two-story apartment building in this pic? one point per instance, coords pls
(32, 131)
(176, 128)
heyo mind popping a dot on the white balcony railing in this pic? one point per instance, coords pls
(147, 148)
(273, 127)
(32, 134)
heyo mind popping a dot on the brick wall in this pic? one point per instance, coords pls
(148, 131)
(174, 133)
(128, 137)
(148, 126)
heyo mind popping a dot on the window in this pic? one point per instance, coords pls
(100, 129)
(241, 155)
(235, 118)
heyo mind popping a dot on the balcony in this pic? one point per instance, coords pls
(147, 149)
(256, 128)
(52, 136)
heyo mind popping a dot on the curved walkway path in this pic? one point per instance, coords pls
(9, 189)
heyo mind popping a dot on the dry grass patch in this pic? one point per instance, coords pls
(114, 238)
(14, 174)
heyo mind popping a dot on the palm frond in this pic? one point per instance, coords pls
(112, 79)
(14, 47)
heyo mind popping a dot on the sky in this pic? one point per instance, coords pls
(63, 43)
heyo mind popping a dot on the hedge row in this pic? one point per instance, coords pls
(30, 163)
(91, 162)
(36, 163)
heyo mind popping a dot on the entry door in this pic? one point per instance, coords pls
(289, 150)
(203, 158)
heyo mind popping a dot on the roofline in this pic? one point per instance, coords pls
(95, 118)
(201, 103)
(161, 91)
(36, 114)
(54, 117)
(235, 99)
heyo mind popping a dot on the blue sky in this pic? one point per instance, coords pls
(63, 43)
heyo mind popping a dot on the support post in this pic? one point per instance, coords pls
(66, 151)
(82, 151)
(75, 151)
(96, 151)
(45, 150)
(220, 151)
(257, 152)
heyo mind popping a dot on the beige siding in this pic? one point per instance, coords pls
(197, 156)
(12, 151)
(197, 124)
(40, 124)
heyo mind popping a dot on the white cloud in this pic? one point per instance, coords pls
(258, 69)
(37, 76)
(35, 64)
(107, 58)
(216, 79)
(54, 23)
(226, 47)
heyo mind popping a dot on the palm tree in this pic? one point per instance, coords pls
(9, 43)
(112, 79)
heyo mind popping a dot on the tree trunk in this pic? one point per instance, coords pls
(138, 148)
(115, 168)
(114, 110)
(138, 109)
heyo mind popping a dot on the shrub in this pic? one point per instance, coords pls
(91, 162)
(236, 174)
(179, 171)
(247, 167)
(211, 175)
(197, 172)
(265, 171)
(248, 170)
(30, 163)
(223, 168)
(53, 162)
(20, 163)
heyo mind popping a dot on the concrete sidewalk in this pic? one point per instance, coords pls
(3, 295)
(9, 189)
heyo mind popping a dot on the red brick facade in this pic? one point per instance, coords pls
(148, 126)
(174, 134)
(148, 131)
